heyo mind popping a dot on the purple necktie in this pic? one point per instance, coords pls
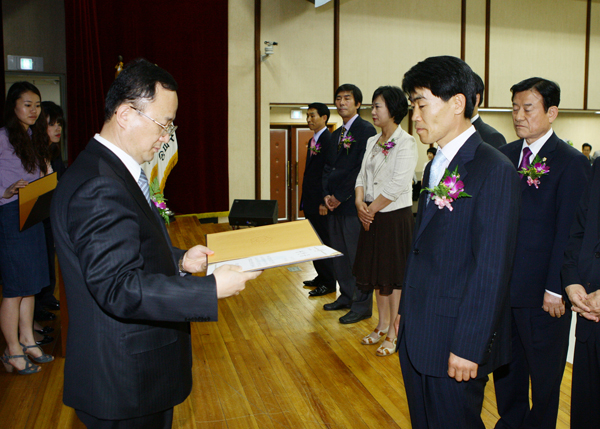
(525, 160)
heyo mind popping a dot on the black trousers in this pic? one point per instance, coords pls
(323, 267)
(585, 390)
(162, 420)
(441, 402)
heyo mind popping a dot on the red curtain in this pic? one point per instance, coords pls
(188, 38)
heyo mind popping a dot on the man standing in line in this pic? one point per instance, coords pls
(581, 279)
(312, 194)
(454, 318)
(129, 356)
(342, 165)
(487, 132)
(586, 149)
(556, 177)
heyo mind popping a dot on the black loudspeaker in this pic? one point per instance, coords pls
(253, 212)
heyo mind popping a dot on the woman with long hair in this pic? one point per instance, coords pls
(23, 260)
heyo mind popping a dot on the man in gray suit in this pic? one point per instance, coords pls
(129, 356)
(487, 132)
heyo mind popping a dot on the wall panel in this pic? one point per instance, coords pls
(594, 81)
(526, 41)
(475, 36)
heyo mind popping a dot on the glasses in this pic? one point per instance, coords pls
(167, 129)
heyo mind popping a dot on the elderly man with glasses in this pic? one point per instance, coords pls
(129, 356)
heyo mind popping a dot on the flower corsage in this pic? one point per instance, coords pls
(536, 169)
(448, 190)
(158, 199)
(386, 147)
(347, 141)
(315, 147)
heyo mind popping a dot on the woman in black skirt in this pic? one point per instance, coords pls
(23, 259)
(384, 203)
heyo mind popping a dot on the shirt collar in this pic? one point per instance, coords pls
(537, 145)
(318, 134)
(474, 118)
(348, 124)
(131, 164)
(451, 148)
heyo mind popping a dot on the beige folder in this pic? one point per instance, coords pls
(298, 236)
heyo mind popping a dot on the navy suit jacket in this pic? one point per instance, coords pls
(455, 296)
(545, 220)
(341, 168)
(489, 134)
(582, 255)
(312, 184)
(128, 349)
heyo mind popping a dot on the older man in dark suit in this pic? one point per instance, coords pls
(581, 279)
(342, 165)
(129, 355)
(540, 321)
(454, 318)
(312, 202)
(487, 132)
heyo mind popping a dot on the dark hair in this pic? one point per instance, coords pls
(445, 77)
(321, 109)
(432, 150)
(54, 113)
(353, 89)
(550, 91)
(479, 87)
(32, 151)
(586, 145)
(136, 84)
(395, 101)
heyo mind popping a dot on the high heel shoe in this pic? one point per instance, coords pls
(30, 368)
(46, 340)
(368, 340)
(44, 358)
(387, 351)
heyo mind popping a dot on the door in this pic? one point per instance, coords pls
(289, 144)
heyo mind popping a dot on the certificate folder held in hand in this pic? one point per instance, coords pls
(34, 201)
(267, 246)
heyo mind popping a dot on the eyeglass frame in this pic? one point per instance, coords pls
(169, 129)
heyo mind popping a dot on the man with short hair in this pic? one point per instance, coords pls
(454, 319)
(129, 356)
(586, 149)
(487, 132)
(312, 202)
(342, 165)
(549, 196)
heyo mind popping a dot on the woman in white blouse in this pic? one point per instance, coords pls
(384, 203)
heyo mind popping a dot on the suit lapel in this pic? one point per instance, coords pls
(465, 154)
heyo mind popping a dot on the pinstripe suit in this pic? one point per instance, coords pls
(455, 297)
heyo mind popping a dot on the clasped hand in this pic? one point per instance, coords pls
(365, 217)
(587, 305)
(553, 305)
(331, 202)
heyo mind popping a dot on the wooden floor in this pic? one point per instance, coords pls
(274, 359)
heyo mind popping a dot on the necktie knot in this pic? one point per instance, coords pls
(143, 184)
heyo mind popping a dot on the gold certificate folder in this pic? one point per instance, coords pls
(34, 200)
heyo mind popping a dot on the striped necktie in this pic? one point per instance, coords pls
(143, 183)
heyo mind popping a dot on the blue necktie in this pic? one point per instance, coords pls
(436, 172)
(143, 183)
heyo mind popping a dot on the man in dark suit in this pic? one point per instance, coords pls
(540, 322)
(581, 279)
(454, 318)
(487, 132)
(342, 165)
(312, 202)
(129, 355)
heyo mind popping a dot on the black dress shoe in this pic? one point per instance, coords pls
(45, 330)
(42, 315)
(46, 340)
(311, 283)
(53, 306)
(335, 306)
(353, 317)
(322, 290)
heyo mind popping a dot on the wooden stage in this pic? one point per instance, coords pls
(274, 360)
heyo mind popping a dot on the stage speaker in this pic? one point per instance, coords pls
(253, 212)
